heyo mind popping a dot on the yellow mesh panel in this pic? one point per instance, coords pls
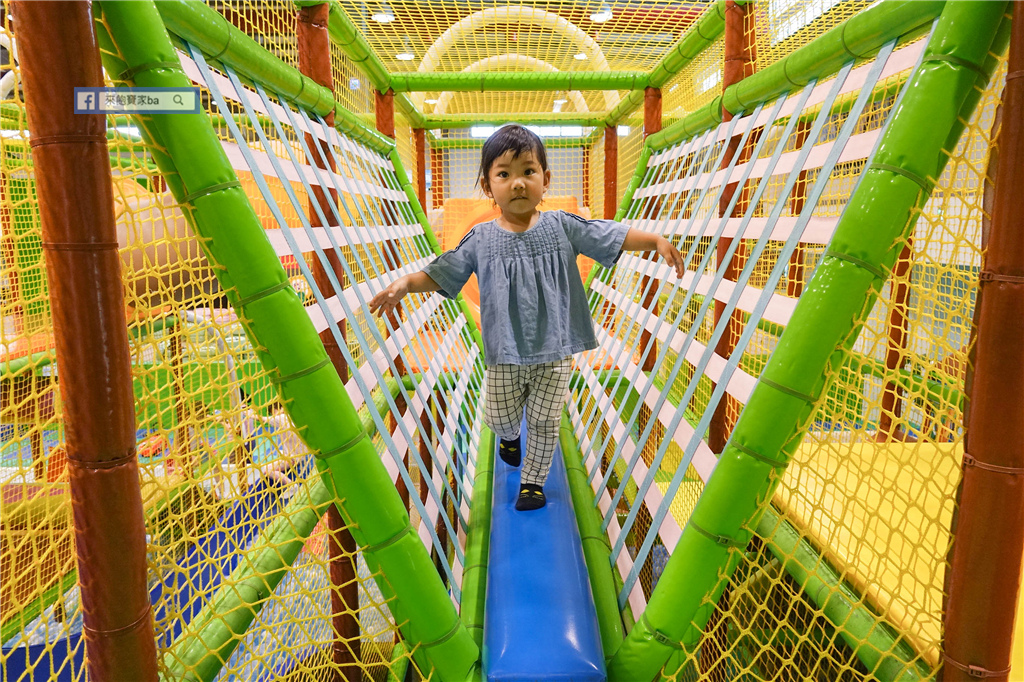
(871, 507)
(352, 89)
(696, 85)
(782, 26)
(596, 177)
(633, 38)
(217, 455)
(270, 22)
(406, 146)
(869, 493)
(631, 142)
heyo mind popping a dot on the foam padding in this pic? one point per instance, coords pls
(540, 622)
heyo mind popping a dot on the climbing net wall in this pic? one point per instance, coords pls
(227, 479)
(843, 575)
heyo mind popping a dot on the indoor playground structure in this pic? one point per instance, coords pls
(802, 461)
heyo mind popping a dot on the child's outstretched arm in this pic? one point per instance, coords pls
(638, 240)
(391, 298)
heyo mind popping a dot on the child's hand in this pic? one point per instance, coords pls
(391, 298)
(671, 255)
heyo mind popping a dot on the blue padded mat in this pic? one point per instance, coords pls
(540, 622)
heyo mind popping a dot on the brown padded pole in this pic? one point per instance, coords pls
(652, 111)
(988, 530)
(420, 142)
(314, 47)
(797, 199)
(585, 178)
(652, 124)
(896, 345)
(76, 206)
(384, 109)
(437, 182)
(611, 171)
(737, 65)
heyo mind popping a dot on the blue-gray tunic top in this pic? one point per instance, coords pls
(532, 305)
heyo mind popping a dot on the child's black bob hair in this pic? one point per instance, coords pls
(511, 138)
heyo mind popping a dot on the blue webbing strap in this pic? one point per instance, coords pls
(704, 308)
(781, 263)
(393, 404)
(402, 389)
(300, 261)
(709, 253)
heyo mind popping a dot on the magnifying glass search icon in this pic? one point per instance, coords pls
(179, 101)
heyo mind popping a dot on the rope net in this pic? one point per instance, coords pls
(859, 526)
(861, 516)
(226, 477)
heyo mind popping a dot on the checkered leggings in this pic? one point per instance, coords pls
(542, 388)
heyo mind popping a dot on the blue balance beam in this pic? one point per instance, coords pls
(540, 622)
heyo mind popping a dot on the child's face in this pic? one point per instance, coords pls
(516, 184)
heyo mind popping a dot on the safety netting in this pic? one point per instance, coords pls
(228, 482)
(255, 574)
(843, 577)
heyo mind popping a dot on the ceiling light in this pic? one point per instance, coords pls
(561, 101)
(602, 15)
(580, 56)
(430, 101)
(407, 54)
(384, 15)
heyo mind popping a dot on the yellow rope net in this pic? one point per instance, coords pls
(870, 494)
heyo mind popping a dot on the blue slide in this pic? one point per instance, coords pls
(540, 622)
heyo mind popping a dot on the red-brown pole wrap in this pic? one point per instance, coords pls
(437, 184)
(896, 344)
(652, 111)
(585, 177)
(611, 171)
(314, 48)
(420, 142)
(76, 207)
(797, 200)
(652, 124)
(988, 530)
(384, 108)
(738, 64)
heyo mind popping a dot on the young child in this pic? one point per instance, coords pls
(533, 308)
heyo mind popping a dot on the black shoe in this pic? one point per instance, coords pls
(510, 452)
(530, 497)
